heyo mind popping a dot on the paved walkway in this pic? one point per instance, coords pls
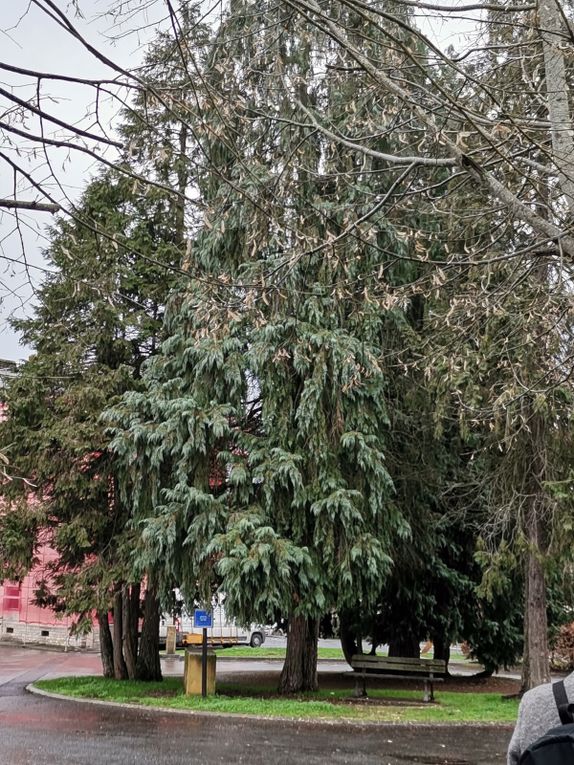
(40, 731)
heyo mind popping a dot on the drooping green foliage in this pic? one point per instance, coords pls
(256, 456)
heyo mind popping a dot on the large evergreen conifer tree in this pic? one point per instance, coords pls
(258, 446)
(98, 317)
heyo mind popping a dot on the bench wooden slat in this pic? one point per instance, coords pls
(395, 659)
(396, 664)
(433, 665)
(393, 676)
(398, 669)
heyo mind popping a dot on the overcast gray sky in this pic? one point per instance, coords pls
(30, 39)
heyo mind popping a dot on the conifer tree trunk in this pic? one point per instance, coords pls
(106, 644)
(148, 663)
(535, 664)
(299, 672)
(120, 669)
(405, 646)
(351, 643)
(131, 599)
(441, 648)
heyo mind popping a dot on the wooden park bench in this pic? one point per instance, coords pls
(365, 665)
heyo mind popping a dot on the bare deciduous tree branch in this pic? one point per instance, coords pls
(19, 204)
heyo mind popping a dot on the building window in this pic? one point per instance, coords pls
(11, 600)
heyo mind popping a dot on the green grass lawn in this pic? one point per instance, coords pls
(327, 705)
(264, 652)
(245, 652)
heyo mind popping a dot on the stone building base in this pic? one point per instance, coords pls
(12, 631)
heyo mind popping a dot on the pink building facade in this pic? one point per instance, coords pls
(23, 622)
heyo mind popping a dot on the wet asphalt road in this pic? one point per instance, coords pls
(40, 731)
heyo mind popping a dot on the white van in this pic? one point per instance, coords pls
(223, 632)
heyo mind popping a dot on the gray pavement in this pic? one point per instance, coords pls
(41, 731)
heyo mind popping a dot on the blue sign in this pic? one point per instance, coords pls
(202, 618)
